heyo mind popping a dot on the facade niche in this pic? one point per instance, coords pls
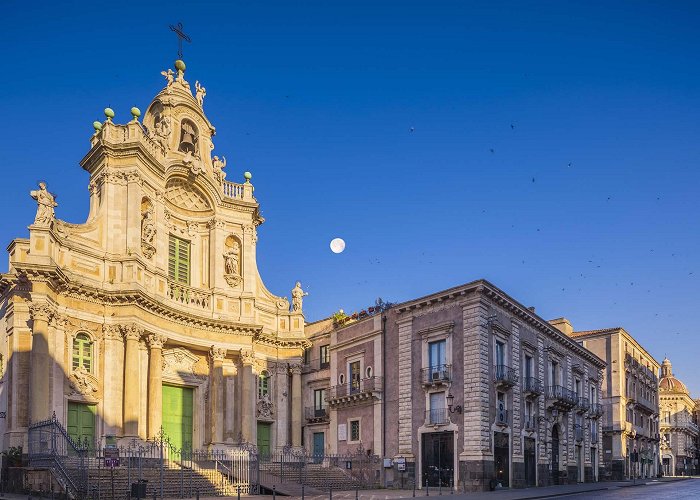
(148, 228)
(189, 138)
(232, 261)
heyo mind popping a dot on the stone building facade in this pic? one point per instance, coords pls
(464, 387)
(679, 428)
(631, 402)
(151, 314)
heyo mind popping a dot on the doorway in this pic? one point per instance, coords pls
(579, 463)
(501, 457)
(264, 438)
(438, 459)
(319, 446)
(555, 454)
(530, 463)
(81, 422)
(177, 415)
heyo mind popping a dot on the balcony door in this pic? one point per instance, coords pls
(436, 355)
(319, 403)
(354, 374)
(500, 353)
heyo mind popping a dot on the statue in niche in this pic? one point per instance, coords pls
(297, 297)
(169, 76)
(148, 233)
(201, 92)
(161, 130)
(46, 202)
(218, 165)
(265, 407)
(232, 267)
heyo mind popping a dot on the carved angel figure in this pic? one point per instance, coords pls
(45, 205)
(218, 165)
(297, 296)
(201, 92)
(162, 129)
(232, 259)
(169, 76)
(148, 228)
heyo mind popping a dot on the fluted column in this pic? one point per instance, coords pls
(132, 384)
(296, 404)
(248, 417)
(155, 383)
(216, 407)
(40, 362)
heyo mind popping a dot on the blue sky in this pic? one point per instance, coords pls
(434, 137)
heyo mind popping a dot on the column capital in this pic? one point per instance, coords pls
(217, 353)
(295, 368)
(156, 340)
(132, 332)
(112, 332)
(247, 357)
(41, 311)
(58, 320)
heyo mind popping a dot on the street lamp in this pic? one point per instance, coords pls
(450, 403)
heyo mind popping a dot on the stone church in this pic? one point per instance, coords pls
(151, 314)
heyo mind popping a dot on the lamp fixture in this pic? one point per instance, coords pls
(450, 403)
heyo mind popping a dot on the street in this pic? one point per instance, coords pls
(660, 491)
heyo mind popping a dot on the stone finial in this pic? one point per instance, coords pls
(135, 112)
(109, 113)
(97, 126)
(247, 176)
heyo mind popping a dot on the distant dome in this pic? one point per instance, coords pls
(669, 383)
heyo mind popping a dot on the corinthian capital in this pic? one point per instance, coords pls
(132, 332)
(247, 357)
(217, 353)
(156, 340)
(112, 332)
(295, 368)
(40, 311)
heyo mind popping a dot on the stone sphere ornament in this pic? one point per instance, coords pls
(247, 176)
(180, 65)
(109, 113)
(337, 245)
(135, 112)
(97, 126)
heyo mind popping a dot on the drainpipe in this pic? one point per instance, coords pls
(384, 385)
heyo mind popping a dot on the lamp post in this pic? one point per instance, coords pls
(450, 404)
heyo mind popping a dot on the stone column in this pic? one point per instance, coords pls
(114, 379)
(229, 402)
(216, 400)
(296, 405)
(248, 414)
(40, 362)
(132, 394)
(155, 383)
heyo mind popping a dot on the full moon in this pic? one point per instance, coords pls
(337, 245)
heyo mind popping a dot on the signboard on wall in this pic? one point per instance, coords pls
(342, 432)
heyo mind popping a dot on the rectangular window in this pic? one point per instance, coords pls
(319, 402)
(436, 354)
(179, 260)
(577, 387)
(354, 430)
(354, 375)
(325, 356)
(594, 400)
(437, 408)
(553, 378)
(528, 366)
(500, 353)
(529, 420)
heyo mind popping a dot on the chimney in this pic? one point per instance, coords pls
(563, 325)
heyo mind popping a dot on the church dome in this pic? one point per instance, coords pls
(669, 383)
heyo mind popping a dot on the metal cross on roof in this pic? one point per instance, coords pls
(181, 35)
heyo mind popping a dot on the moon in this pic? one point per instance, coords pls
(337, 245)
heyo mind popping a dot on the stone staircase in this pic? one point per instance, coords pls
(316, 476)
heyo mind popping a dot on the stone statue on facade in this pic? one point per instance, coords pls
(297, 297)
(161, 131)
(148, 233)
(218, 165)
(46, 202)
(169, 76)
(201, 92)
(265, 408)
(232, 264)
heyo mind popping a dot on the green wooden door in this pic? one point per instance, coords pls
(81, 422)
(177, 415)
(264, 438)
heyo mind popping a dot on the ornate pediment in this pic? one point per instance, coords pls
(184, 194)
(179, 364)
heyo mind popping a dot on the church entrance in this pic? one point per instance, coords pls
(264, 439)
(81, 422)
(177, 415)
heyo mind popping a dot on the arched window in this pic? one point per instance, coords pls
(263, 384)
(82, 352)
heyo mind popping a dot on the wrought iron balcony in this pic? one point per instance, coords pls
(314, 414)
(357, 390)
(646, 405)
(505, 376)
(436, 374)
(561, 397)
(596, 410)
(437, 416)
(530, 423)
(583, 405)
(532, 387)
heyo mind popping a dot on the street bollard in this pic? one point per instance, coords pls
(302, 492)
(414, 488)
(239, 492)
(439, 488)
(356, 493)
(427, 488)
(274, 492)
(154, 494)
(330, 490)
(197, 493)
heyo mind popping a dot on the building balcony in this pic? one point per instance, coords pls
(314, 414)
(646, 405)
(561, 398)
(596, 410)
(437, 416)
(530, 423)
(355, 391)
(532, 387)
(582, 405)
(578, 433)
(436, 375)
(504, 376)
(313, 365)
(188, 296)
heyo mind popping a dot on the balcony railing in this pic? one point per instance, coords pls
(578, 432)
(561, 397)
(533, 386)
(646, 405)
(437, 416)
(314, 414)
(188, 296)
(583, 405)
(596, 410)
(505, 375)
(437, 374)
(316, 364)
(530, 423)
(356, 390)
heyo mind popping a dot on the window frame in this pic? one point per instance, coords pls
(82, 341)
(352, 421)
(263, 384)
(176, 261)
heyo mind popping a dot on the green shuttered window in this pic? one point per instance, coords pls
(179, 260)
(82, 352)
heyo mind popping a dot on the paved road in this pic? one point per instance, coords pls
(679, 490)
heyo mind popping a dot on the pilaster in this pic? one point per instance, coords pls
(296, 404)
(155, 383)
(132, 380)
(405, 387)
(41, 362)
(216, 407)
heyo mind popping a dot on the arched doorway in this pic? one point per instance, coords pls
(555, 454)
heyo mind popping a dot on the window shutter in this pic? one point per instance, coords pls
(179, 260)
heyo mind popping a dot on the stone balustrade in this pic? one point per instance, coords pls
(188, 296)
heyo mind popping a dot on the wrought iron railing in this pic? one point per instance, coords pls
(502, 417)
(562, 394)
(437, 416)
(533, 385)
(357, 387)
(530, 422)
(583, 404)
(596, 410)
(313, 413)
(436, 374)
(505, 375)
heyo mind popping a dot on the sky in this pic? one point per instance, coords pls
(549, 147)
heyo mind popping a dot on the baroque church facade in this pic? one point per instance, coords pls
(152, 314)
